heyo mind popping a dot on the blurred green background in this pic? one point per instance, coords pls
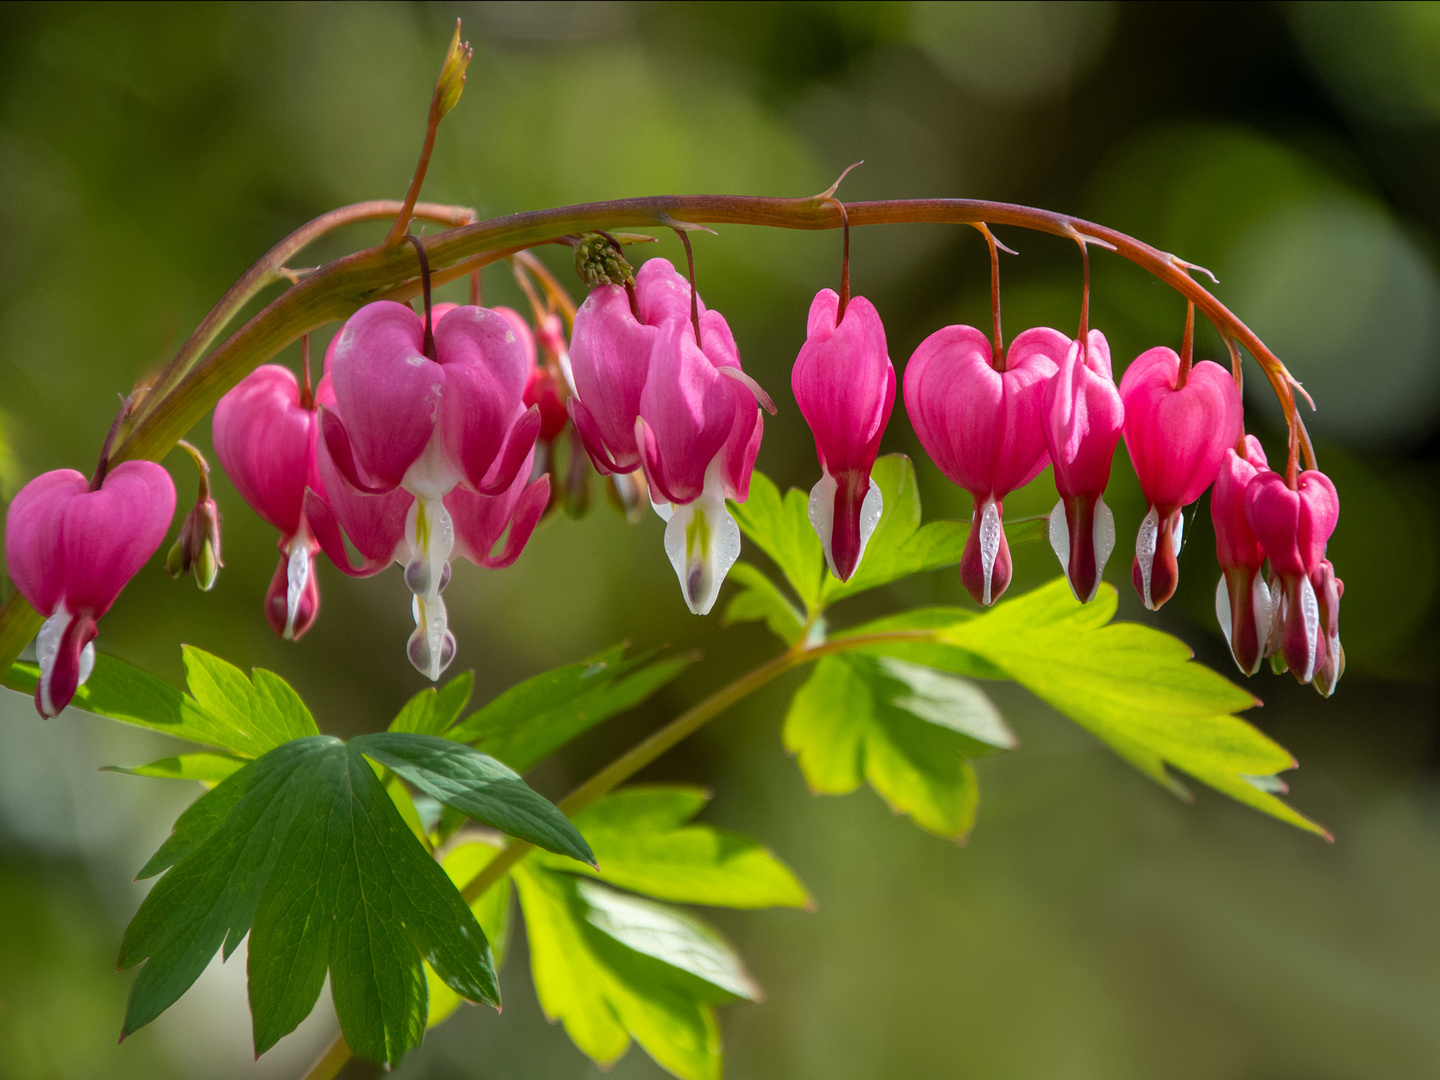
(1094, 927)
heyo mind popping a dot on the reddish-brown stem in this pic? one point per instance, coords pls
(442, 100)
(189, 387)
(103, 465)
(474, 288)
(307, 392)
(694, 296)
(997, 356)
(1187, 347)
(429, 342)
(844, 263)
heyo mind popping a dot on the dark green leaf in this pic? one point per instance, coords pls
(492, 911)
(305, 851)
(908, 730)
(1134, 687)
(612, 967)
(208, 768)
(781, 528)
(531, 721)
(431, 711)
(642, 843)
(760, 600)
(478, 786)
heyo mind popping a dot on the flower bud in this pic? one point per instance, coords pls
(197, 550)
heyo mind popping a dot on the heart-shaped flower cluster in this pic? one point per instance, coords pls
(658, 390)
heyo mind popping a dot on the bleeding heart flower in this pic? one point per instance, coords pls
(265, 432)
(422, 413)
(71, 550)
(699, 432)
(1242, 601)
(1293, 527)
(610, 358)
(844, 384)
(1177, 438)
(985, 429)
(1328, 591)
(1083, 420)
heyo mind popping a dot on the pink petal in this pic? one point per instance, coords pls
(265, 442)
(485, 364)
(844, 383)
(610, 357)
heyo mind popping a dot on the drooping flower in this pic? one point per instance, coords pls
(844, 384)
(423, 411)
(1083, 420)
(1328, 591)
(1293, 527)
(610, 358)
(1177, 434)
(70, 551)
(265, 432)
(1243, 604)
(699, 432)
(985, 430)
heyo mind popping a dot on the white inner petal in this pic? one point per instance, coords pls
(822, 515)
(1310, 613)
(1222, 610)
(991, 532)
(870, 511)
(703, 542)
(1263, 605)
(1104, 533)
(297, 577)
(47, 647)
(1145, 542)
(1060, 539)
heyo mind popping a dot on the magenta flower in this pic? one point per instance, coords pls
(985, 429)
(1242, 602)
(71, 550)
(1328, 590)
(1293, 527)
(1083, 420)
(1177, 437)
(610, 358)
(844, 384)
(419, 413)
(265, 436)
(699, 432)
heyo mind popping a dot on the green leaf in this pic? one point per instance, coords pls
(431, 711)
(930, 653)
(781, 528)
(899, 546)
(1135, 688)
(476, 785)
(492, 910)
(611, 967)
(125, 693)
(642, 843)
(530, 721)
(906, 729)
(760, 600)
(303, 849)
(250, 717)
(208, 768)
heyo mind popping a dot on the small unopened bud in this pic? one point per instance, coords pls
(197, 549)
(599, 262)
(452, 74)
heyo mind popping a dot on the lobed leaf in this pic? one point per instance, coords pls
(477, 785)
(205, 767)
(906, 729)
(431, 711)
(1135, 688)
(492, 911)
(781, 528)
(612, 967)
(251, 717)
(760, 600)
(642, 843)
(530, 721)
